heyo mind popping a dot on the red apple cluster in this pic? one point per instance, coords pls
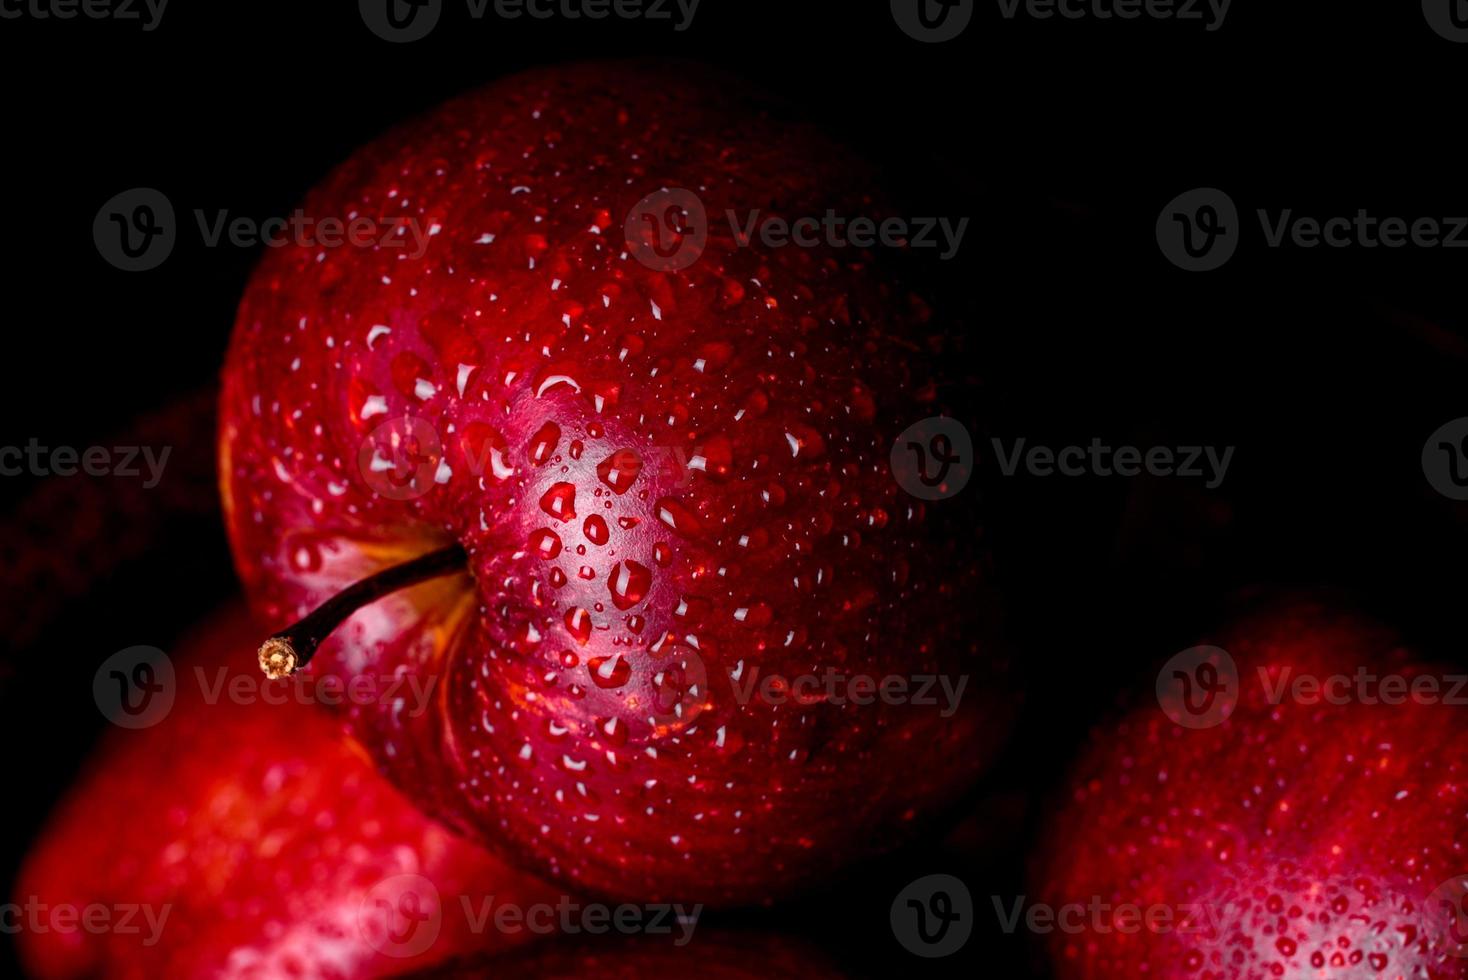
(588, 466)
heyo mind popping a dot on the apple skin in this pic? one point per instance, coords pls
(261, 829)
(1297, 840)
(575, 732)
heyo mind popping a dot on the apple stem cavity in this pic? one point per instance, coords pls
(291, 649)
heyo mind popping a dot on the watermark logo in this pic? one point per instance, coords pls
(402, 458)
(1362, 687)
(1199, 687)
(120, 461)
(933, 916)
(148, 13)
(404, 915)
(834, 687)
(401, 916)
(136, 230)
(135, 688)
(933, 459)
(404, 21)
(1447, 907)
(401, 21)
(1102, 918)
(932, 21)
(667, 230)
(121, 919)
(1449, 18)
(1445, 459)
(1211, 13)
(570, 917)
(680, 684)
(1207, 463)
(1199, 230)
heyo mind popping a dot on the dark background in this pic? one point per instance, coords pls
(1061, 141)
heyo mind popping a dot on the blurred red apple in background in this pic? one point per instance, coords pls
(671, 481)
(1300, 824)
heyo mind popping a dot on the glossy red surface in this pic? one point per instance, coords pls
(1293, 840)
(664, 479)
(249, 840)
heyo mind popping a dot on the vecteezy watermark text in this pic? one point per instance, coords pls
(149, 13)
(137, 230)
(1101, 917)
(137, 687)
(1099, 459)
(836, 231)
(1201, 686)
(669, 230)
(1211, 12)
(38, 460)
(1362, 687)
(403, 915)
(403, 21)
(834, 687)
(96, 918)
(1199, 230)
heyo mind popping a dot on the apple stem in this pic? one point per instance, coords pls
(291, 649)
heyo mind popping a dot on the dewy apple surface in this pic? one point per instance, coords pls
(588, 725)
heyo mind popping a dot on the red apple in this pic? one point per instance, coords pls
(670, 483)
(245, 840)
(1317, 831)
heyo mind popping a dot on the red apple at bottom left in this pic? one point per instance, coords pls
(246, 839)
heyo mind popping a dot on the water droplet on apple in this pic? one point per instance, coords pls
(545, 543)
(620, 470)
(609, 672)
(543, 444)
(578, 624)
(628, 583)
(560, 501)
(678, 517)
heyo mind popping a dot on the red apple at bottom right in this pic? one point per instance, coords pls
(1317, 829)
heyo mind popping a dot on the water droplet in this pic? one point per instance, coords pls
(578, 624)
(596, 531)
(755, 614)
(613, 671)
(678, 517)
(560, 501)
(545, 543)
(620, 470)
(543, 444)
(628, 583)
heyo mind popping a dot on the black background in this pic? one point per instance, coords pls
(1061, 141)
